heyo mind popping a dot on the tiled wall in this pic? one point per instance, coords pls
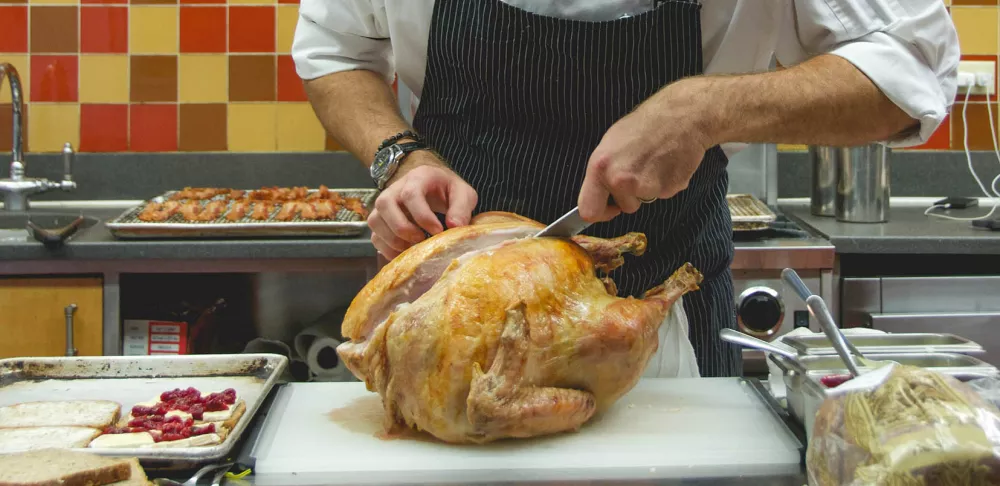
(216, 75)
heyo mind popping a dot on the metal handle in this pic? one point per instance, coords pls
(68, 161)
(818, 309)
(737, 337)
(70, 311)
(794, 281)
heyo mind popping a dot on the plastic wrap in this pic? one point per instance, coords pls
(905, 426)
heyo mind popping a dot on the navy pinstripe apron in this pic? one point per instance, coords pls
(516, 102)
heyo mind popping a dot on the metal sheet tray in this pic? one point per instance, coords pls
(347, 223)
(132, 379)
(888, 344)
(749, 213)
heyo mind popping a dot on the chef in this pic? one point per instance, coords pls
(535, 107)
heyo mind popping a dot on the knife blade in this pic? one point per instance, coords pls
(569, 224)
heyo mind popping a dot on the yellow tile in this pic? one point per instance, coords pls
(287, 17)
(298, 129)
(251, 127)
(51, 125)
(977, 29)
(23, 71)
(203, 78)
(153, 29)
(792, 148)
(104, 79)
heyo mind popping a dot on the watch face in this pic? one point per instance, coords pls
(381, 164)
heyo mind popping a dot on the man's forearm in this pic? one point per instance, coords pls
(358, 109)
(824, 101)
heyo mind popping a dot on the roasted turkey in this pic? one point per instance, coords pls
(483, 332)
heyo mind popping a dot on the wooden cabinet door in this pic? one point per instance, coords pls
(33, 318)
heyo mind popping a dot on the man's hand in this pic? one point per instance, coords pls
(420, 187)
(649, 154)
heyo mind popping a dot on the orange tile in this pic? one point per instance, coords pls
(202, 127)
(53, 29)
(252, 78)
(104, 29)
(289, 83)
(979, 127)
(203, 29)
(153, 128)
(54, 78)
(153, 78)
(103, 128)
(251, 29)
(14, 34)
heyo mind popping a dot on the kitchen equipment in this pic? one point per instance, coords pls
(567, 225)
(887, 343)
(749, 213)
(663, 428)
(825, 162)
(805, 393)
(219, 469)
(347, 223)
(863, 184)
(742, 339)
(132, 379)
(818, 309)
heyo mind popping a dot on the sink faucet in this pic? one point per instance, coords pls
(17, 188)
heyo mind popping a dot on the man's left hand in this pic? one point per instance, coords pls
(651, 153)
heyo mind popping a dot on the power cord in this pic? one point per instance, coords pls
(967, 81)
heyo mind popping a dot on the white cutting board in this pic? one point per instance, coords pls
(664, 428)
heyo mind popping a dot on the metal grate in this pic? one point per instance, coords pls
(344, 223)
(749, 213)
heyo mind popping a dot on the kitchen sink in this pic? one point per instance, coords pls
(51, 228)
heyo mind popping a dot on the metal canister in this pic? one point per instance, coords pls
(824, 162)
(863, 184)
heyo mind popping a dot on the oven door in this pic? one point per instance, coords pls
(965, 306)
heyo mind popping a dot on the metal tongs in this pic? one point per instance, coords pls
(819, 310)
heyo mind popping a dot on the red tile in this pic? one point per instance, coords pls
(103, 128)
(293, 2)
(103, 29)
(153, 128)
(251, 29)
(203, 29)
(54, 78)
(14, 34)
(289, 83)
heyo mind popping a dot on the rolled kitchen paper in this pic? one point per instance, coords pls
(324, 363)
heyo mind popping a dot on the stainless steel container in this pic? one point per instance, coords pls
(805, 393)
(863, 184)
(825, 163)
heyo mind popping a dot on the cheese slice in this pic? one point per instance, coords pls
(196, 441)
(134, 439)
(178, 413)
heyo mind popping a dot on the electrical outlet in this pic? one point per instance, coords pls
(978, 67)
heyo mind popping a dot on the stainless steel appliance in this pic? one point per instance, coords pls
(966, 306)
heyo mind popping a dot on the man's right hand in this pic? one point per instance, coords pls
(421, 187)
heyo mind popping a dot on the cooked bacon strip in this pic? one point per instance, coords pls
(190, 210)
(325, 209)
(212, 211)
(153, 212)
(288, 211)
(238, 210)
(307, 211)
(236, 194)
(354, 204)
(261, 210)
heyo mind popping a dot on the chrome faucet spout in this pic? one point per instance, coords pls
(7, 70)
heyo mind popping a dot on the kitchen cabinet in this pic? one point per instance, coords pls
(33, 316)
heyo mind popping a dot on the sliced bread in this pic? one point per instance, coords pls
(138, 477)
(55, 467)
(96, 414)
(33, 438)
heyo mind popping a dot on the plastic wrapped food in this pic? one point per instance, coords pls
(905, 426)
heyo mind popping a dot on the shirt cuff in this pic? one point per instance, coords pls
(906, 80)
(318, 51)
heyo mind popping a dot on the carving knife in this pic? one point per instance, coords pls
(569, 224)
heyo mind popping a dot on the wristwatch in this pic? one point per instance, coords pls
(387, 160)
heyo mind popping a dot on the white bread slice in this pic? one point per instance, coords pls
(138, 477)
(33, 438)
(55, 467)
(96, 414)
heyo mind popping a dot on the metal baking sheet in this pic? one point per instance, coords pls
(749, 213)
(888, 344)
(347, 223)
(941, 362)
(132, 379)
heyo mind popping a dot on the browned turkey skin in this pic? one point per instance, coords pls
(483, 333)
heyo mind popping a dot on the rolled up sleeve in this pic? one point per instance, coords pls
(342, 35)
(909, 49)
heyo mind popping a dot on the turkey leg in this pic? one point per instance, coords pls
(500, 405)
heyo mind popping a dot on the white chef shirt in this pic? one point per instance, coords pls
(908, 48)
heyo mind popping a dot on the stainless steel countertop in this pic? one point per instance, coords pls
(908, 230)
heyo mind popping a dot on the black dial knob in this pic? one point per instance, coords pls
(760, 311)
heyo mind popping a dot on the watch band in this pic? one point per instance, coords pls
(399, 136)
